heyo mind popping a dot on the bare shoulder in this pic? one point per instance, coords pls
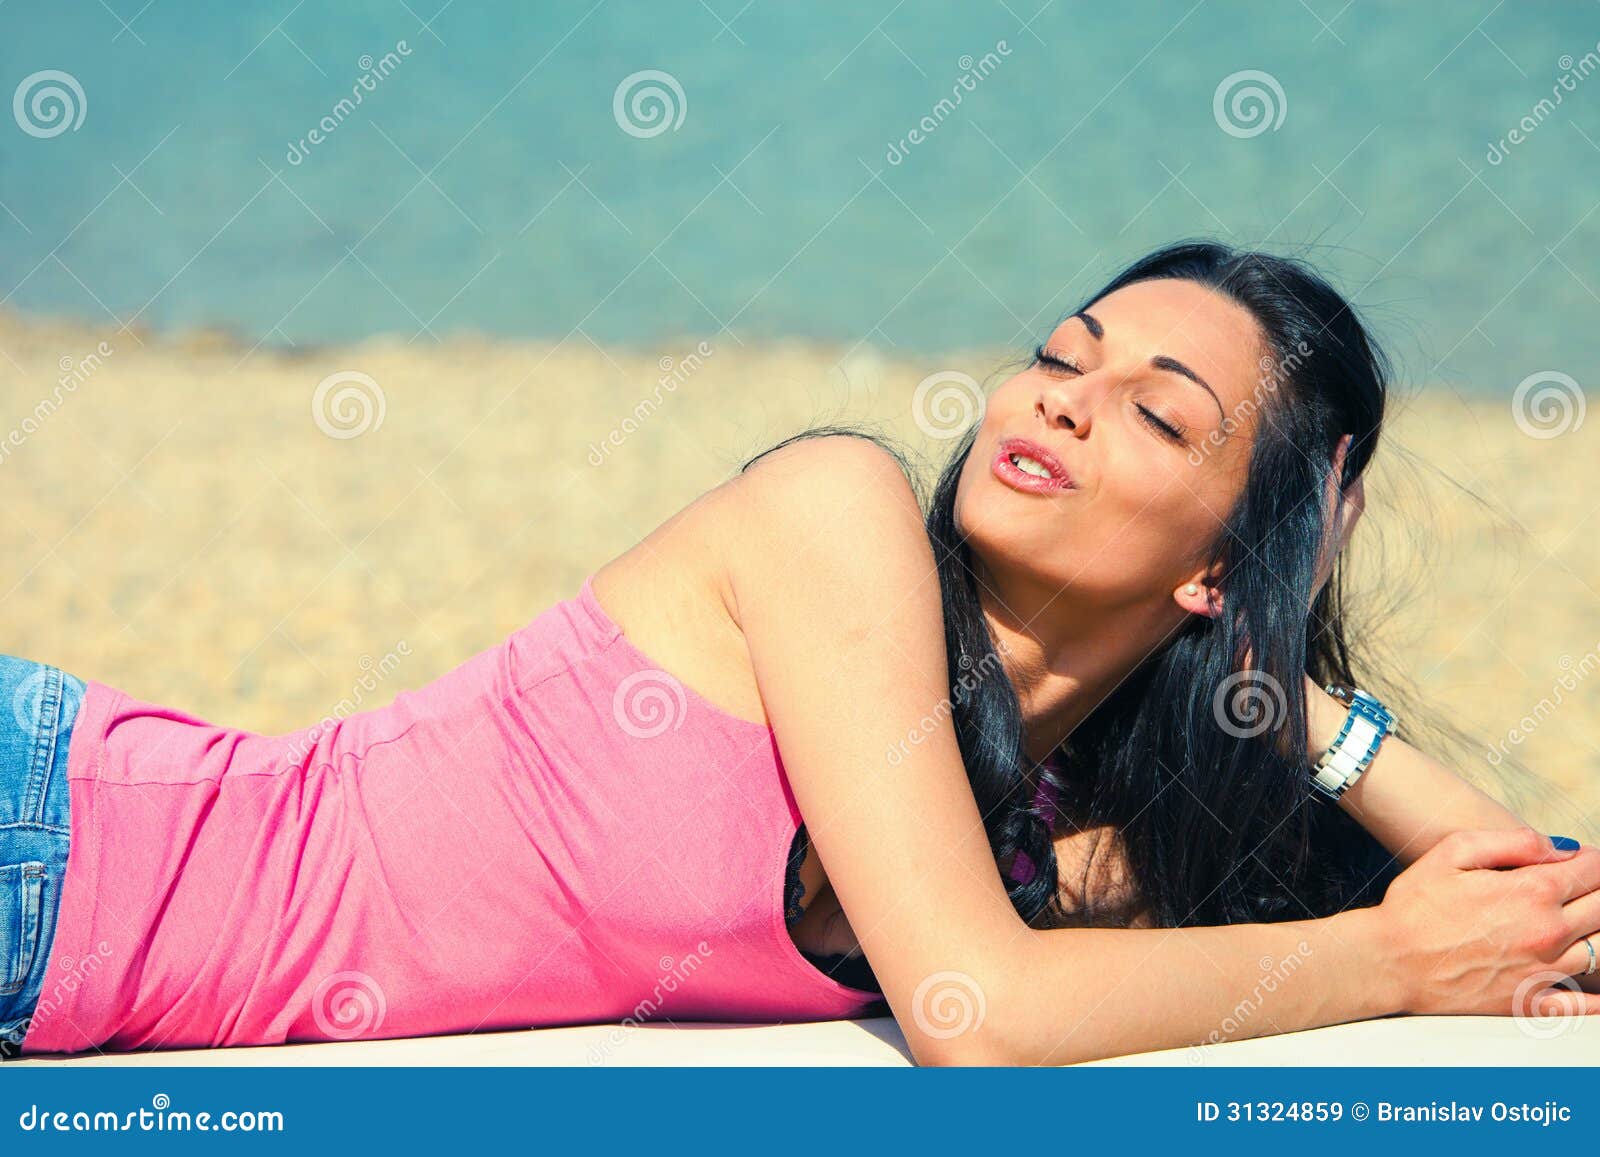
(675, 593)
(812, 501)
(833, 465)
(839, 598)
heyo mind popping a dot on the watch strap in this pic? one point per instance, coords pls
(1366, 723)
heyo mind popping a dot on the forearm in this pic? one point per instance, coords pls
(1408, 800)
(1113, 991)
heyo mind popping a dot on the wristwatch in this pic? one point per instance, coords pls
(1365, 725)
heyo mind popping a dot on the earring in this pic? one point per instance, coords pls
(1191, 589)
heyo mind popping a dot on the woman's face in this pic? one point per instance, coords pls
(1144, 425)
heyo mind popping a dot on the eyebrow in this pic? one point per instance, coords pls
(1159, 362)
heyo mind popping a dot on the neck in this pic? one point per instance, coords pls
(1064, 660)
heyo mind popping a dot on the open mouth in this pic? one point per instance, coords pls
(1029, 467)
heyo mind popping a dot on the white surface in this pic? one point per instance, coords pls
(1423, 1041)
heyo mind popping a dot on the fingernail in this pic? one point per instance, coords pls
(1565, 843)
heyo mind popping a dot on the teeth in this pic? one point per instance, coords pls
(1030, 466)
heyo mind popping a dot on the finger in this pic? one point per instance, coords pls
(1499, 848)
(1582, 915)
(1575, 960)
(1577, 875)
(1560, 1002)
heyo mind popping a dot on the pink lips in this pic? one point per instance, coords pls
(1018, 479)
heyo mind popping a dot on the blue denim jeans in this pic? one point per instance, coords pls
(37, 707)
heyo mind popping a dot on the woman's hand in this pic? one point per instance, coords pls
(1492, 923)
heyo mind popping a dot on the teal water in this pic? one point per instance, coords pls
(484, 181)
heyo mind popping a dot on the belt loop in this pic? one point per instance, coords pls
(46, 726)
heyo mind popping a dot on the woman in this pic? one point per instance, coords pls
(1000, 747)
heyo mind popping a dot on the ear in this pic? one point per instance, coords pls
(1198, 597)
(1341, 451)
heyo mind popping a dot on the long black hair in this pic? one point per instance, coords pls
(1197, 760)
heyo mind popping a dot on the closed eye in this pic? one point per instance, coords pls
(1065, 363)
(1056, 362)
(1166, 430)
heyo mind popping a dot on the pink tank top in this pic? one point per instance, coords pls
(555, 832)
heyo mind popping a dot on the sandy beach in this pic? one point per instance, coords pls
(211, 526)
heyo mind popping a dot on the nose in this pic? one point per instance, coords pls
(1068, 405)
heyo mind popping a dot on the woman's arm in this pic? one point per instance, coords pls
(1407, 800)
(833, 582)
